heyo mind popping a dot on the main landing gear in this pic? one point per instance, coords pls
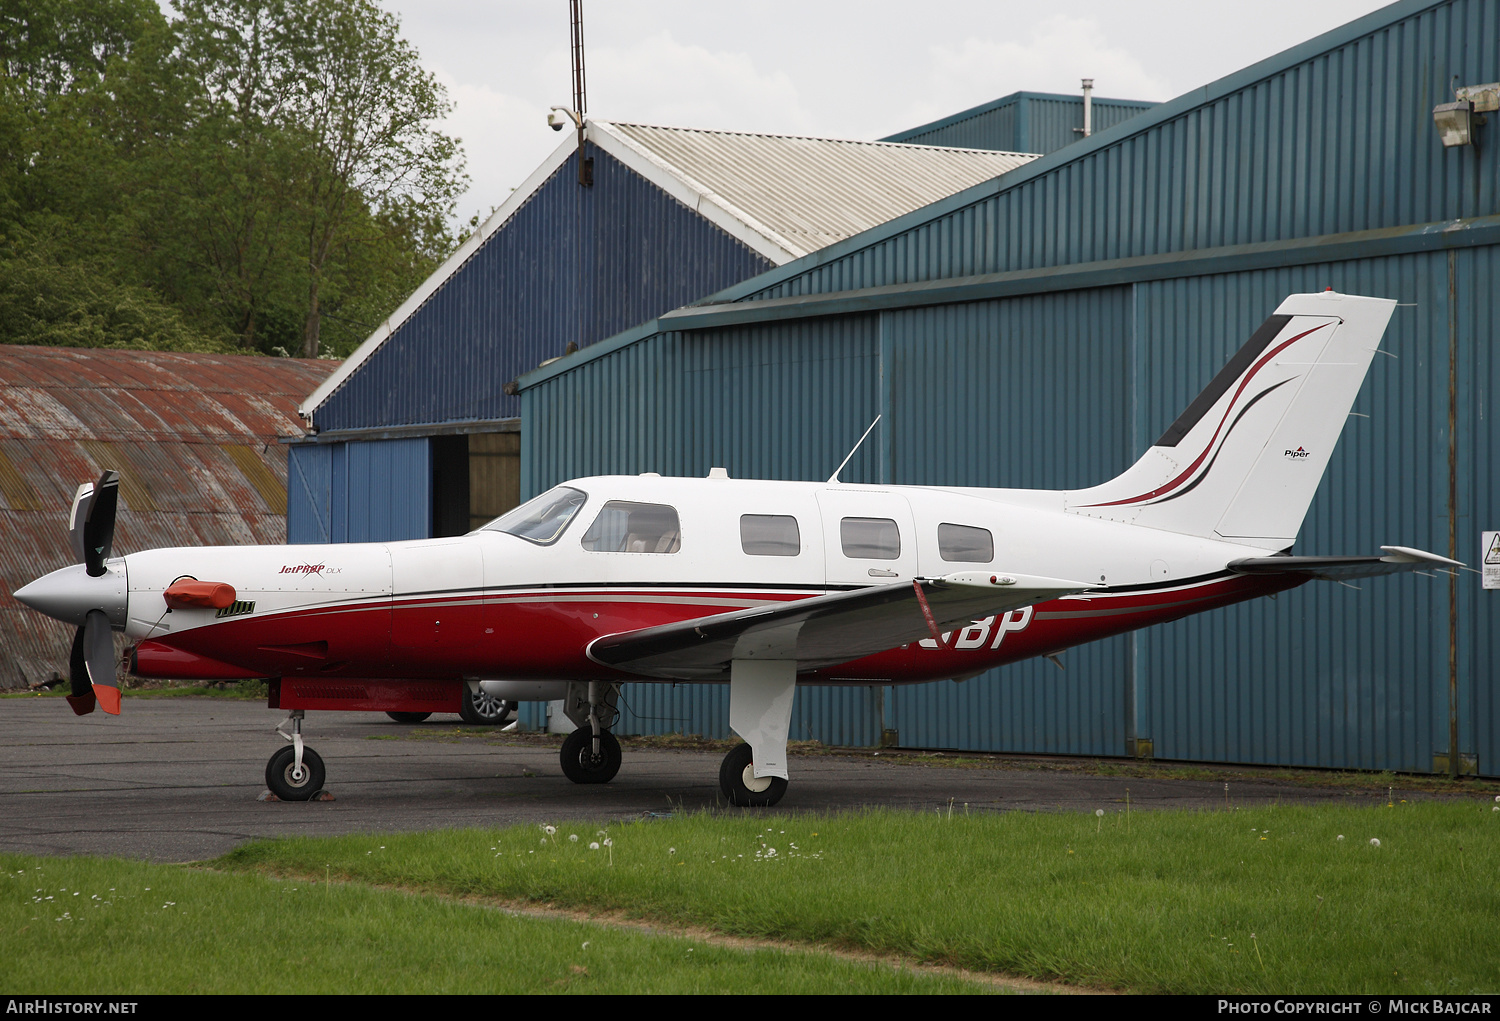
(740, 785)
(295, 773)
(591, 754)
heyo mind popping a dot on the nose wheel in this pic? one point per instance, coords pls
(295, 773)
(291, 782)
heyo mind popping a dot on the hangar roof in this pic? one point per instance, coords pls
(805, 193)
(783, 196)
(193, 436)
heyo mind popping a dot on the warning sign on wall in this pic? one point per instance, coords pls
(1489, 561)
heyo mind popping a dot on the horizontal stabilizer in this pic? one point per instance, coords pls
(1396, 560)
(826, 630)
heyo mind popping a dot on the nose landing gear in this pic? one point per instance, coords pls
(295, 773)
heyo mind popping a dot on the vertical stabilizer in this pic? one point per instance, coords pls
(1243, 461)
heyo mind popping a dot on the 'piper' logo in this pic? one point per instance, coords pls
(1297, 455)
(303, 569)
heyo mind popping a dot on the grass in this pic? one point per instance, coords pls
(92, 926)
(247, 690)
(1262, 900)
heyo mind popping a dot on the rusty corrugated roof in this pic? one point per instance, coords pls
(195, 440)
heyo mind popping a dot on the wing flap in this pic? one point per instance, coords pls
(823, 630)
(1396, 560)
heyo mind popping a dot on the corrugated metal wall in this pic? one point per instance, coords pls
(1340, 141)
(369, 491)
(718, 398)
(1023, 122)
(1065, 388)
(574, 264)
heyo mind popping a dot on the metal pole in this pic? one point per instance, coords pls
(580, 89)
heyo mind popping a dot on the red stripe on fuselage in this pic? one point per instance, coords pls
(543, 634)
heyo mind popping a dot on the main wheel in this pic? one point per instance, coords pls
(291, 788)
(408, 717)
(485, 710)
(581, 765)
(738, 781)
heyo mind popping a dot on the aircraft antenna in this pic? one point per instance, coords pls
(835, 476)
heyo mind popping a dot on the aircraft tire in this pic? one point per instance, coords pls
(279, 775)
(485, 710)
(408, 717)
(579, 763)
(737, 775)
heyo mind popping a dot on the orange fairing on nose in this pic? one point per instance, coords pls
(188, 594)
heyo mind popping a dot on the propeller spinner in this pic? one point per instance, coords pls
(90, 595)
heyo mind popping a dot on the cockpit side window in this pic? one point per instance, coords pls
(625, 527)
(966, 544)
(770, 535)
(543, 519)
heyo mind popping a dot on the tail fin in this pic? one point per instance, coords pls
(1243, 461)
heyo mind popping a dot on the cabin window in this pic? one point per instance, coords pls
(624, 527)
(770, 535)
(870, 538)
(966, 543)
(543, 519)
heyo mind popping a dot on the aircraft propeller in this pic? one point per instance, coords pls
(91, 527)
(90, 595)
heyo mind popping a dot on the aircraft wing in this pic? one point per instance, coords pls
(822, 631)
(1396, 559)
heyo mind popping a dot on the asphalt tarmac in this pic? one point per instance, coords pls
(179, 780)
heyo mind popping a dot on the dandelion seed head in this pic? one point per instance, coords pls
(593, 845)
(1374, 841)
(573, 838)
(1341, 836)
(1099, 812)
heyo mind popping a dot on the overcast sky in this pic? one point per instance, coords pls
(816, 67)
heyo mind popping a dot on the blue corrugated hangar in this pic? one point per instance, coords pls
(414, 435)
(1041, 329)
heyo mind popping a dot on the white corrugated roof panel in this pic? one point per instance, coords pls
(806, 193)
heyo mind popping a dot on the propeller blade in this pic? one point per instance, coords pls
(99, 656)
(83, 499)
(99, 522)
(82, 697)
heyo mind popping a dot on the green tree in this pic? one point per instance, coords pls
(338, 154)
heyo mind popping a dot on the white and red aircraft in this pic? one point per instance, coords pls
(761, 585)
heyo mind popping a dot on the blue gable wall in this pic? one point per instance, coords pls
(573, 264)
(1021, 122)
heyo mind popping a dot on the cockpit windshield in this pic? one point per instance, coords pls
(543, 519)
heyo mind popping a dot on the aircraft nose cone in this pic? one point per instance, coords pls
(69, 594)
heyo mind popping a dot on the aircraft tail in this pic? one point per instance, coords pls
(1243, 461)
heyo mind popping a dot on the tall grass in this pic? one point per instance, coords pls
(1280, 899)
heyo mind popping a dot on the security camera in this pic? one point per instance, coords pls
(555, 121)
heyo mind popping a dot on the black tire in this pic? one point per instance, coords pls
(408, 717)
(286, 787)
(581, 765)
(485, 710)
(737, 775)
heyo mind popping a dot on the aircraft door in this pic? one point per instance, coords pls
(869, 537)
(438, 597)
